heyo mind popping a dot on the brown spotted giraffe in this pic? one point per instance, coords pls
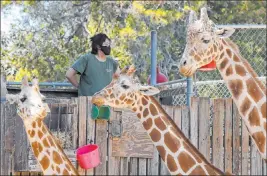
(177, 152)
(206, 43)
(31, 109)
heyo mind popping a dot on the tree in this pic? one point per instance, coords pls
(50, 34)
(53, 34)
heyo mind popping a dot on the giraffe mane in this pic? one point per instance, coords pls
(246, 63)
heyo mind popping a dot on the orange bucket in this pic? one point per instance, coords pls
(88, 156)
(209, 67)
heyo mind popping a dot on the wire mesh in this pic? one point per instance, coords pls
(252, 46)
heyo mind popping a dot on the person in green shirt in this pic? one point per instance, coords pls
(96, 69)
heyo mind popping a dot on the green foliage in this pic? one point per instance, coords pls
(62, 31)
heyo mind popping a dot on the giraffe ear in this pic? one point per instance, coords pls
(35, 84)
(131, 70)
(149, 90)
(225, 32)
(192, 17)
(11, 98)
(204, 14)
(24, 82)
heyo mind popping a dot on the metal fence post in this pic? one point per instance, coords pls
(189, 90)
(3, 87)
(153, 58)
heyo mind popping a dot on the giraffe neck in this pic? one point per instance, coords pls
(235, 49)
(179, 155)
(248, 95)
(48, 153)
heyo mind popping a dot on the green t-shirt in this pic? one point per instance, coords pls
(95, 74)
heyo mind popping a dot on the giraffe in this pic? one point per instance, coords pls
(45, 147)
(177, 152)
(206, 43)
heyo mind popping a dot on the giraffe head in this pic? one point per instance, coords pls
(202, 43)
(123, 91)
(29, 101)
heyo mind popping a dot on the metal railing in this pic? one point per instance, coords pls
(52, 84)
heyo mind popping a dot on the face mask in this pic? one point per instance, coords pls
(106, 47)
(106, 50)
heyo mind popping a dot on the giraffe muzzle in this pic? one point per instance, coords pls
(186, 71)
(97, 100)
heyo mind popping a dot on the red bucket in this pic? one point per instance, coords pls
(88, 156)
(209, 67)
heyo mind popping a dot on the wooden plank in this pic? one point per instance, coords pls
(177, 116)
(153, 164)
(228, 126)
(25, 173)
(21, 145)
(245, 150)
(47, 119)
(185, 121)
(169, 111)
(16, 173)
(163, 168)
(134, 141)
(101, 141)
(8, 140)
(65, 132)
(142, 166)
(55, 118)
(66, 107)
(35, 173)
(204, 127)
(113, 162)
(124, 166)
(90, 130)
(82, 126)
(74, 126)
(133, 166)
(255, 162)
(194, 121)
(236, 141)
(264, 168)
(259, 163)
(2, 134)
(217, 142)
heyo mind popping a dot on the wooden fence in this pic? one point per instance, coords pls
(213, 126)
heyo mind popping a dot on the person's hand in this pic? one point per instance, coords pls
(116, 76)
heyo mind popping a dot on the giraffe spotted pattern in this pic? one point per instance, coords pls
(176, 151)
(248, 92)
(50, 156)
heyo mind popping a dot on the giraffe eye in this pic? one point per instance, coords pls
(205, 41)
(23, 99)
(125, 86)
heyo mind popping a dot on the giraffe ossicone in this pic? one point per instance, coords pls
(177, 152)
(32, 110)
(205, 43)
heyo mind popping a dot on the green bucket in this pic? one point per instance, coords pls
(102, 112)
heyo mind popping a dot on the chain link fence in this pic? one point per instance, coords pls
(251, 40)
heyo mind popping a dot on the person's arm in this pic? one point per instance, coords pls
(77, 68)
(71, 76)
(117, 73)
(116, 68)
